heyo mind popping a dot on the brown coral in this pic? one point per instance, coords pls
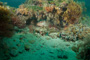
(72, 13)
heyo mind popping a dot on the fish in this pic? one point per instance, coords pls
(43, 24)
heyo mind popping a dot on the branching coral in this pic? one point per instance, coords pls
(6, 27)
(72, 13)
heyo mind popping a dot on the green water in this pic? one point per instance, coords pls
(13, 3)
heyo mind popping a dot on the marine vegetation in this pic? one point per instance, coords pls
(75, 32)
(44, 28)
(58, 17)
(83, 49)
(22, 10)
(73, 12)
(49, 9)
(6, 27)
(19, 21)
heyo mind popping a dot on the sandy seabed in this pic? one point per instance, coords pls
(30, 46)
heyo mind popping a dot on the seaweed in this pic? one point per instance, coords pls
(73, 12)
(6, 27)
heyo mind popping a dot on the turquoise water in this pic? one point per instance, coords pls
(13, 3)
(87, 4)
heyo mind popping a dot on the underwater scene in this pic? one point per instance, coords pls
(44, 29)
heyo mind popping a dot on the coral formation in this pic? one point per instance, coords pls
(83, 50)
(72, 13)
(49, 9)
(22, 10)
(19, 21)
(55, 21)
(77, 31)
(6, 27)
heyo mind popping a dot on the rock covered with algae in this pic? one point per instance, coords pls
(6, 27)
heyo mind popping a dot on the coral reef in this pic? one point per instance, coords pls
(49, 9)
(83, 50)
(72, 13)
(6, 27)
(19, 21)
(22, 10)
(75, 32)
(44, 27)
(51, 17)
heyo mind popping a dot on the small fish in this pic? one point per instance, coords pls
(43, 23)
